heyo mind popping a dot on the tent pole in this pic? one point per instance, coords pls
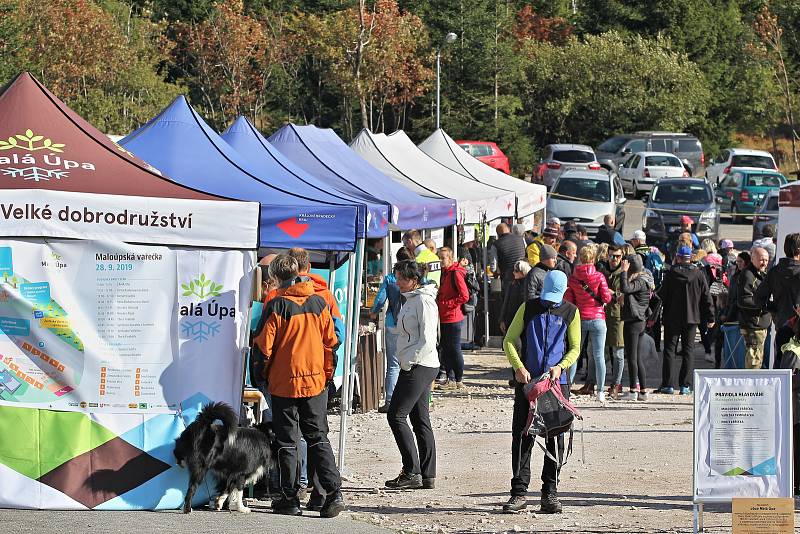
(346, 366)
(332, 272)
(359, 281)
(485, 282)
(455, 242)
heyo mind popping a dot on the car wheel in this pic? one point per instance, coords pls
(636, 193)
(735, 219)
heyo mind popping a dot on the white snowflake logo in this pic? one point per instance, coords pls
(200, 331)
(36, 174)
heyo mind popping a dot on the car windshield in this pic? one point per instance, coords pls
(749, 160)
(765, 180)
(477, 151)
(613, 144)
(662, 161)
(682, 194)
(583, 189)
(573, 156)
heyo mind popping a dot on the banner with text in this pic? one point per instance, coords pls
(743, 432)
(110, 327)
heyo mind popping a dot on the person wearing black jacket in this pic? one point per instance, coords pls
(535, 278)
(782, 284)
(567, 253)
(605, 234)
(754, 321)
(509, 249)
(687, 302)
(635, 285)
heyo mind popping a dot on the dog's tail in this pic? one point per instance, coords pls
(219, 411)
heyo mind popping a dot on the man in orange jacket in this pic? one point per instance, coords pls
(296, 341)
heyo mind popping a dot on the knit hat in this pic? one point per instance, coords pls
(725, 243)
(713, 259)
(635, 264)
(550, 231)
(546, 252)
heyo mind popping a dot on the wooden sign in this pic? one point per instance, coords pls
(763, 516)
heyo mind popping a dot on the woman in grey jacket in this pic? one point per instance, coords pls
(636, 286)
(416, 329)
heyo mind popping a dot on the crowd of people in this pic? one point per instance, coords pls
(566, 301)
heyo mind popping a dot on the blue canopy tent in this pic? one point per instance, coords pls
(322, 153)
(249, 142)
(179, 143)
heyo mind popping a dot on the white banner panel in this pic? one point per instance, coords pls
(742, 434)
(110, 327)
(161, 221)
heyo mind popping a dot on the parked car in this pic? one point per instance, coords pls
(487, 152)
(615, 150)
(742, 190)
(674, 197)
(641, 171)
(586, 197)
(559, 158)
(766, 212)
(721, 165)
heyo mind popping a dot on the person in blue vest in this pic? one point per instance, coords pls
(549, 329)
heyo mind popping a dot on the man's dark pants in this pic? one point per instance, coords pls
(672, 335)
(306, 416)
(522, 447)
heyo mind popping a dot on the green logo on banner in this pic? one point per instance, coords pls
(202, 287)
(26, 142)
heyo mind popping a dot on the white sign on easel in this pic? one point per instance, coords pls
(742, 436)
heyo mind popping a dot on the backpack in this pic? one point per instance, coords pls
(717, 280)
(472, 289)
(653, 263)
(655, 308)
(550, 415)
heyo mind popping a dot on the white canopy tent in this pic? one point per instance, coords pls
(397, 156)
(441, 147)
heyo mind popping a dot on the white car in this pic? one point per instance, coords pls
(642, 170)
(719, 166)
(586, 197)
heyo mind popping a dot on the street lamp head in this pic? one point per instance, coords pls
(450, 38)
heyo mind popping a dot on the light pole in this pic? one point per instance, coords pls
(448, 39)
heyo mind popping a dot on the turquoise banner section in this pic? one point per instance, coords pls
(339, 291)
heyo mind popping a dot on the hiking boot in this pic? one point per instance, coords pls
(666, 390)
(451, 385)
(615, 391)
(334, 505)
(550, 503)
(302, 493)
(587, 389)
(384, 408)
(441, 379)
(315, 502)
(428, 483)
(286, 506)
(515, 504)
(405, 481)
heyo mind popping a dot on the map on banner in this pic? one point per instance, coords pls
(86, 324)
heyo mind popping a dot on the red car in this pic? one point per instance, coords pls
(487, 152)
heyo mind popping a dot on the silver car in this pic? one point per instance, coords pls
(766, 213)
(558, 158)
(586, 197)
(641, 171)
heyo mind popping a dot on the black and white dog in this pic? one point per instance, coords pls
(236, 456)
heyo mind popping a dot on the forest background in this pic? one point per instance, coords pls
(520, 73)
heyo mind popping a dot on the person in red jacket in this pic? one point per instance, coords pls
(588, 290)
(452, 294)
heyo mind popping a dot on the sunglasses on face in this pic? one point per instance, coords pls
(615, 256)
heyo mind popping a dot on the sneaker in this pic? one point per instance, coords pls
(405, 481)
(550, 503)
(428, 483)
(441, 379)
(601, 398)
(631, 396)
(384, 408)
(709, 357)
(302, 493)
(666, 390)
(515, 504)
(315, 502)
(334, 505)
(285, 506)
(685, 390)
(450, 385)
(458, 384)
(642, 395)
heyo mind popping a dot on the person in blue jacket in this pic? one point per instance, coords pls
(391, 293)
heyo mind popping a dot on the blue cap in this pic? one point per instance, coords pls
(684, 251)
(554, 287)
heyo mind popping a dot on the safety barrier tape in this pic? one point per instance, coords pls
(666, 210)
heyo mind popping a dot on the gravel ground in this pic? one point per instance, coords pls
(637, 476)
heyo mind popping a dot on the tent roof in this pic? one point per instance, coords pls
(249, 142)
(322, 153)
(180, 143)
(397, 156)
(441, 147)
(49, 154)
